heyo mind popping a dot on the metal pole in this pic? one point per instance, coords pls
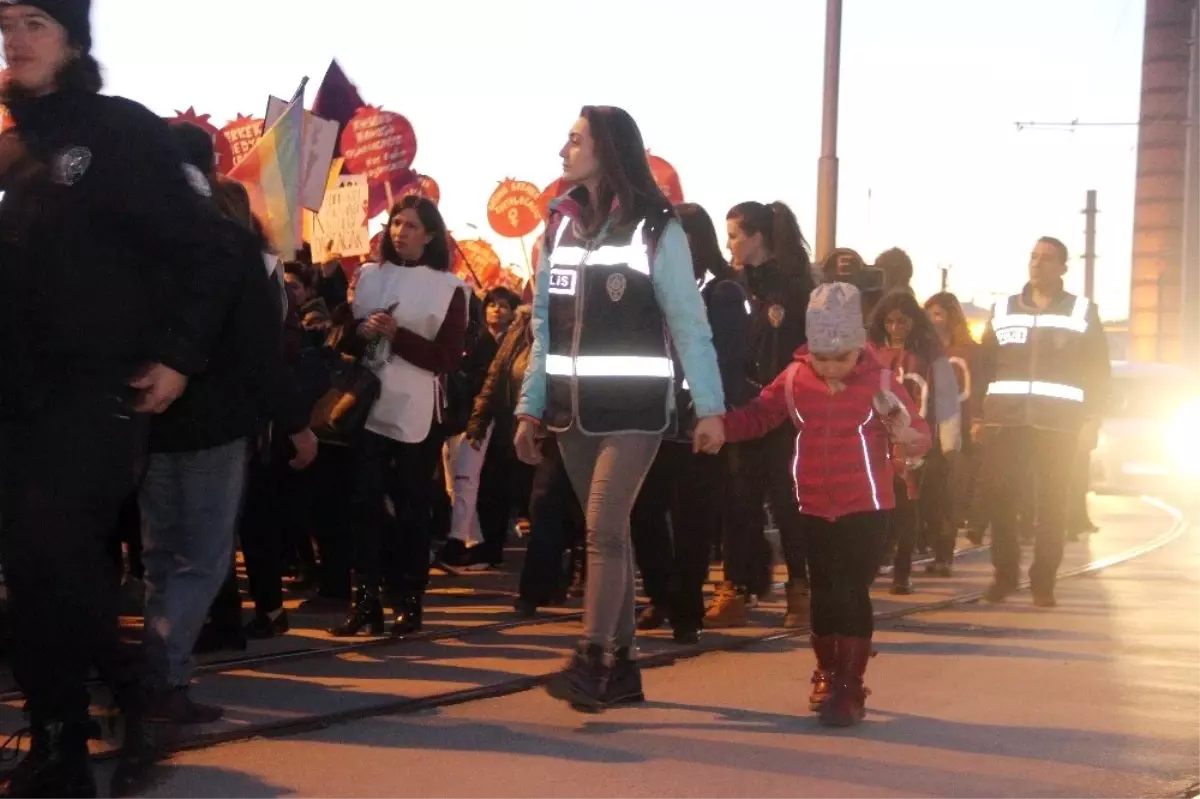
(827, 166)
(1089, 246)
(1189, 273)
(945, 278)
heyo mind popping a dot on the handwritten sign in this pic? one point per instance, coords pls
(241, 135)
(340, 228)
(378, 144)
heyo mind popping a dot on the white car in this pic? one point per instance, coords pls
(1150, 438)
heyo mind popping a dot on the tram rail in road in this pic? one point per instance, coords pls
(408, 705)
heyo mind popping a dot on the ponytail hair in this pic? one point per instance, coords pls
(781, 236)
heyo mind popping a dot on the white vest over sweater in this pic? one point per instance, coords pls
(408, 394)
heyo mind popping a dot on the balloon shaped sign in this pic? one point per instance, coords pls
(513, 209)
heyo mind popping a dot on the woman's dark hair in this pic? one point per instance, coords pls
(80, 74)
(922, 339)
(437, 252)
(197, 147)
(624, 171)
(703, 242)
(781, 236)
(233, 201)
(305, 274)
(956, 320)
(502, 294)
(896, 266)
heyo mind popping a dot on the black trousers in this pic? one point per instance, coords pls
(65, 475)
(762, 470)
(393, 548)
(1078, 520)
(842, 557)
(500, 480)
(674, 523)
(556, 525)
(128, 534)
(936, 505)
(1014, 455)
(902, 524)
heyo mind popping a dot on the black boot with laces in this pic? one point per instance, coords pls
(57, 763)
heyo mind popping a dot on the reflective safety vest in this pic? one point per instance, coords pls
(1039, 369)
(609, 368)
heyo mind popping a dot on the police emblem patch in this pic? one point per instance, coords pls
(70, 165)
(616, 286)
(196, 180)
(775, 315)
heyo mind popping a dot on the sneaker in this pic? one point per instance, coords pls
(937, 568)
(177, 707)
(901, 587)
(651, 618)
(1044, 599)
(997, 592)
(728, 608)
(268, 625)
(686, 636)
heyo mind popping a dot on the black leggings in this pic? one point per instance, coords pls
(841, 560)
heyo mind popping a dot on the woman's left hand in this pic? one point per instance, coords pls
(381, 324)
(709, 435)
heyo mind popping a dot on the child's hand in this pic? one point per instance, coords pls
(709, 435)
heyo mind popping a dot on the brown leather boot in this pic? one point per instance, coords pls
(797, 605)
(825, 648)
(846, 705)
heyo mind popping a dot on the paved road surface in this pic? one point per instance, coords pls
(1098, 698)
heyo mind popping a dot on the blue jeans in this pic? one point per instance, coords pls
(191, 502)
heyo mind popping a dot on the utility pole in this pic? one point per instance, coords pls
(945, 278)
(827, 166)
(1189, 276)
(1089, 246)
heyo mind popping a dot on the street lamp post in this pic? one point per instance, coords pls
(827, 166)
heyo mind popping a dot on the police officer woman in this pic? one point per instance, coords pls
(615, 288)
(114, 277)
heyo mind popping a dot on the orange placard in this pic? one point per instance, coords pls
(513, 209)
(378, 144)
(240, 135)
(484, 263)
(666, 177)
(429, 188)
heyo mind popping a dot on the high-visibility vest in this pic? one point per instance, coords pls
(608, 367)
(1039, 368)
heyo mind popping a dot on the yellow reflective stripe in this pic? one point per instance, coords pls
(1036, 388)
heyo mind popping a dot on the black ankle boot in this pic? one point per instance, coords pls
(143, 744)
(584, 682)
(365, 614)
(57, 763)
(625, 687)
(409, 615)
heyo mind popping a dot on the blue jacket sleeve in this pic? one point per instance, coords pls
(679, 298)
(533, 387)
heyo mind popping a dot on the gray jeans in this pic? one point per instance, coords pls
(191, 502)
(607, 473)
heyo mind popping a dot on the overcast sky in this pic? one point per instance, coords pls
(729, 93)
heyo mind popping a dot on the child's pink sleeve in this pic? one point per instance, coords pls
(761, 415)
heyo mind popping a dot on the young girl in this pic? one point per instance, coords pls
(847, 411)
(907, 344)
